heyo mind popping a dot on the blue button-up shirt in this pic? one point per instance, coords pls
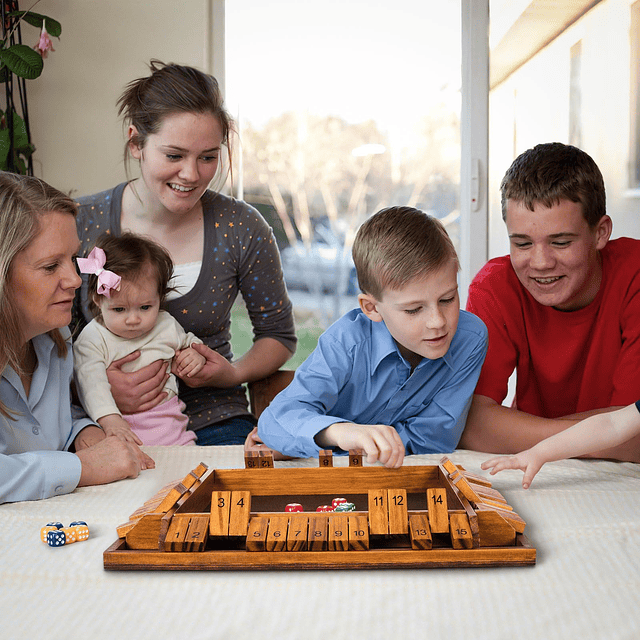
(34, 461)
(356, 374)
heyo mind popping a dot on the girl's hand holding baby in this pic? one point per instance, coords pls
(216, 372)
(188, 362)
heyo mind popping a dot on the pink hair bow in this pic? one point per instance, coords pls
(94, 264)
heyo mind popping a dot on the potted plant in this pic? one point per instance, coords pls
(18, 63)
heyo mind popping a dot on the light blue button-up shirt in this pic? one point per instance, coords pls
(34, 461)
(356, 374)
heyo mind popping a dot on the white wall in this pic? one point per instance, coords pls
(104, 44)
(533, 104)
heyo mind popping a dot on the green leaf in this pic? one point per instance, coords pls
(20, 137)
(26, 151)
(22, 60)
(21, 144)
(4, 148)
(35, 19)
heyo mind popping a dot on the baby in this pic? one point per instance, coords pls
(129, 282)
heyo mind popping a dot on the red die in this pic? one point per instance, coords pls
(336, 501)
(325, 508)
(293, 507)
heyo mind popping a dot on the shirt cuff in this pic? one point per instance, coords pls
(62, 474)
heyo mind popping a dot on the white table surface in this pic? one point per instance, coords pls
(583, 517)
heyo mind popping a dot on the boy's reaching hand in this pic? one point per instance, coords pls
(189, 362)
(380, 442)
(527, 461)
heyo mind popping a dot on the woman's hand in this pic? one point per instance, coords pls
(216, 372)
(89, 436)
(111, 459)
(140, 390)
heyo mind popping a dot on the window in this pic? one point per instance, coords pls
(634, 151)
(575, 124)
(343, 108)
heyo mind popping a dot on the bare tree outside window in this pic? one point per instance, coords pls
(343, 108)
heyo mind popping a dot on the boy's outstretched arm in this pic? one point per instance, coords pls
(595, 433)
(528, 461)
(380, 442)
(495, 428)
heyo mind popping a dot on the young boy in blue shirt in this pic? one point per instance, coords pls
(395, 376)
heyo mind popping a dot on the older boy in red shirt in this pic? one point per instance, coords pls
(563, 310)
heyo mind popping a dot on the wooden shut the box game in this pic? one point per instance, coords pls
(328, 517)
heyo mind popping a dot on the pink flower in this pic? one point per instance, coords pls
(44, 44)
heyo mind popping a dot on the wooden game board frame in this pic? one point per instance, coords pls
(495, 537)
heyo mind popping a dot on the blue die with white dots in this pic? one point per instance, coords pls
(56, 538)
(50, 526)
(56, 535)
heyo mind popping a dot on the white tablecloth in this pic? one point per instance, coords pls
(582, 516)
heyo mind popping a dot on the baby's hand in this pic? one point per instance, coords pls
(526, 461)
(189, 362)
(115, 425)
(380, 442)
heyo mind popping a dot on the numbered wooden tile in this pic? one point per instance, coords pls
(317, 536)
(174, 540)
(220, 510)
(257, 534)
(378, 512)
(355, 458)
(358, 533)
(298, 532)
(251, 460)
(419, 531)
(196, 536)
(397, 505)
(461, 537)
(239, 513)
(266, 459)
(277, 533)
(438, 510)
(338, 533)
(325, 458)
(460, 482)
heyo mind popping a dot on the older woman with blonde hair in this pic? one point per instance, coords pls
(38, 279)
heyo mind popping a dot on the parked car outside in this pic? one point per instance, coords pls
(323, 267)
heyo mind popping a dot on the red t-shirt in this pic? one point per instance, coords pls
(566, 362)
